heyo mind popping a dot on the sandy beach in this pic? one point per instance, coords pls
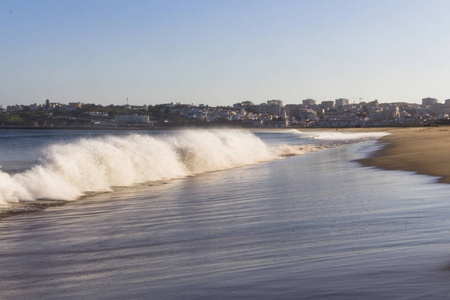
(422, 150)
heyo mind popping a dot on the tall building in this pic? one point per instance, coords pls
(275, 102)
(342, 102)
(440, 110)
(429, 101)
(309, 102)
(328, 104)
(275, 107)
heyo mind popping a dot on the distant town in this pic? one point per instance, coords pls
(272, 114)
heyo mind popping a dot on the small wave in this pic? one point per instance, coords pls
(338, 136)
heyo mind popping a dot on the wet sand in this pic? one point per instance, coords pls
(422, 150)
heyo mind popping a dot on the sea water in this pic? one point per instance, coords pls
(215, 214)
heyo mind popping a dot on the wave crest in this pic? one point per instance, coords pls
(69, 170)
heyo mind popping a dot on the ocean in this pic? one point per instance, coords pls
(215, 214)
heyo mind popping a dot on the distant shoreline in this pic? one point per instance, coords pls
(348, 129)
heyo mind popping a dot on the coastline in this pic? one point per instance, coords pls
(423, 150)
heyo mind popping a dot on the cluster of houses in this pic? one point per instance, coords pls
(272, 114)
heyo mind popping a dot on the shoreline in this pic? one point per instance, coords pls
(423, 150)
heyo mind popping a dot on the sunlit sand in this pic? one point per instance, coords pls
(422, 150)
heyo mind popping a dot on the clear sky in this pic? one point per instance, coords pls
(221, 52)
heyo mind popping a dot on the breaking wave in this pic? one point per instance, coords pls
(69, 170)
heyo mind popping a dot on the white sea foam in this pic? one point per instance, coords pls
(339, 135)
(67, 171)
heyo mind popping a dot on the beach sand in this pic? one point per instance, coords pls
(424, 150)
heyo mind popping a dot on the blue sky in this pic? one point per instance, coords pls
(222, 52)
